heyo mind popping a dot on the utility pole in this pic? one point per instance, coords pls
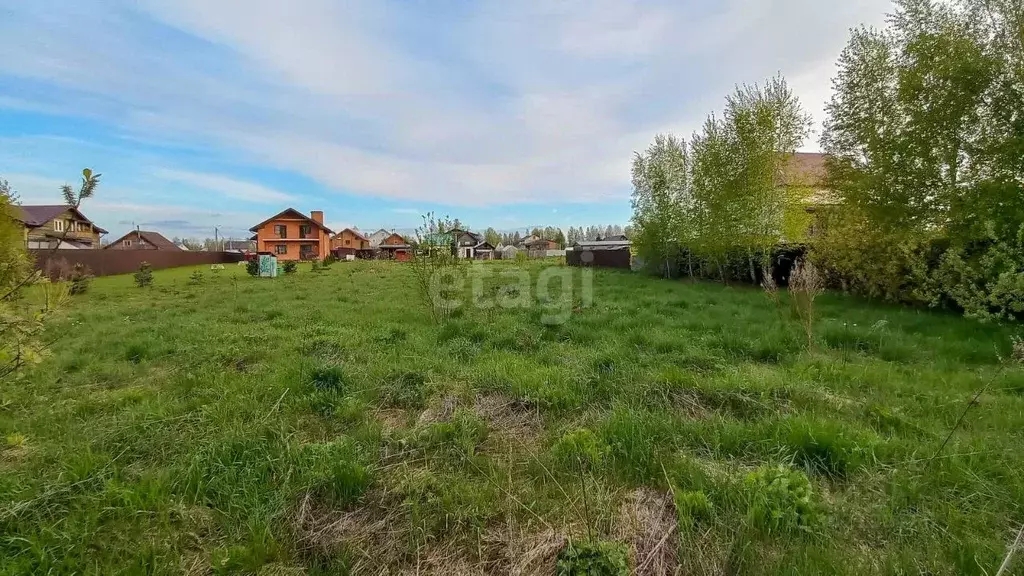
(216, 238)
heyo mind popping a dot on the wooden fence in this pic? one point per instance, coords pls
(109, 262)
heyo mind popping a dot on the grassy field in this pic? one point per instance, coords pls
(321, 423)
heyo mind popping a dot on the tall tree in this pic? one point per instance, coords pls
(560, 238)
(492, 237)
(924, 135)
(660, 197)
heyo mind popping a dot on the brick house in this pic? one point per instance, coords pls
(291, 235)
(142, 240)
(57, 226)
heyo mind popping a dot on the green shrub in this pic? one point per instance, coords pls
(196, 278)
(290, 267)
(579, 449)
(826, 447)
(328, 378)
(405, 390)
(780, 499)
(461, 435)
(593, 559)
(144, 277)
(332, 471)
(692, 507)
(315, 266)
(80, 278)
(252, 267)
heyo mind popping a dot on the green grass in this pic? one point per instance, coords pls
(320, 423)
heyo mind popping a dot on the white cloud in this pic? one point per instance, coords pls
(490, 103)
(229, 187)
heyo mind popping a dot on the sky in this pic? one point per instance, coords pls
(203, 114)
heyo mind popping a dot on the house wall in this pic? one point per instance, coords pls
(267, 239)
(80, 230)
(545, 245)
(394, 240)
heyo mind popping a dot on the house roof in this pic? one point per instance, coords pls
(804, 169)
(292, 212)
(354, 232)
(238, 244)
(603, 245)
(37, 215)
(539, 241)
(155, 238)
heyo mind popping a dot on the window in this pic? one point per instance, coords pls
(348, 242)
(126, 243)
(305, 230)
(58, 225)
(281, 249)
(281, 230)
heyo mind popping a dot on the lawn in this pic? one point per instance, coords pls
(322, 423)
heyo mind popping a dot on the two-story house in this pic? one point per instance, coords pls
(58, 226)
(291, 235)
(142, 240)
(349, 240)
(471, 245)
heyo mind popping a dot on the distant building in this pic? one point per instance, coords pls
(377, 237)
(395, 247)
(57, 226)
(541, 244)
(471, 245)
(239, 245)
(142, 240)
(349, 239)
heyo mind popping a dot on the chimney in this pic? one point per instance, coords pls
(317, 216)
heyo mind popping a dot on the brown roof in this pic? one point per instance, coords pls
(155, 238)
(540, 241)
(294, 213)
(38, 215)
(354, 232)
(805, 169)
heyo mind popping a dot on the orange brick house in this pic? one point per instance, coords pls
(291, 235)
(349, 239)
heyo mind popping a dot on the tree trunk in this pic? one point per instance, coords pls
(753, 272)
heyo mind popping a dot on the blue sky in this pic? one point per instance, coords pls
(205, 113)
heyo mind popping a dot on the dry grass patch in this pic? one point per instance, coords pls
(441, 410)
(509, 418)
(647, 522)
(392, 418)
